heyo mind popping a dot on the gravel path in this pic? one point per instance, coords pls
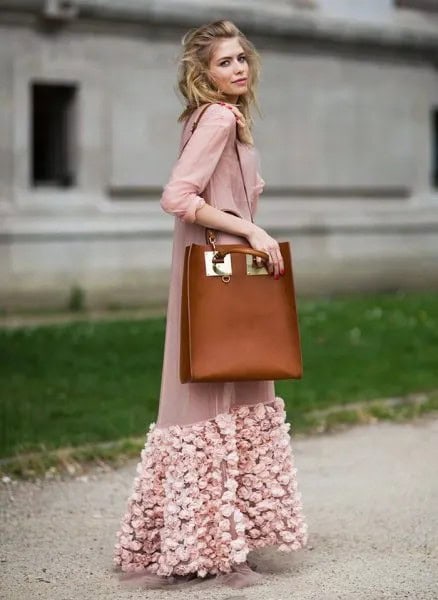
(370, 496)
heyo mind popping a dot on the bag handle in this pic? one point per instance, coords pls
(220, 254)
(210, 233)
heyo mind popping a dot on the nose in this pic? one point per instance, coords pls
(238, 68)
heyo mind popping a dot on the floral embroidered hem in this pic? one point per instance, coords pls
(208, 493)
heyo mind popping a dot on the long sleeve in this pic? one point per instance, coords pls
(192, 171)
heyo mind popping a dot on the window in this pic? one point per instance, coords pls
(435, 147)
(53, 130)
(418, 4)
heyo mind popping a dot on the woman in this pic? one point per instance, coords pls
(216, 478)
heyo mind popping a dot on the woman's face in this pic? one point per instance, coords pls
(228, 65)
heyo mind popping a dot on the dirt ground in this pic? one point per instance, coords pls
(370, 495)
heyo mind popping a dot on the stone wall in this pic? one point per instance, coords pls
(345, 141)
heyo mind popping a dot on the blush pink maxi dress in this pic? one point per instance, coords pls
(217, 475)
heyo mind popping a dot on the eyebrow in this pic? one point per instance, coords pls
(224, 57)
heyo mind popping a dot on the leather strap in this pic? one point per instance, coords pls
(194, 126)
(210, 233)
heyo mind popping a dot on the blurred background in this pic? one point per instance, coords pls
(348, 141)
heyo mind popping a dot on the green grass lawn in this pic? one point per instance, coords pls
(98, 381)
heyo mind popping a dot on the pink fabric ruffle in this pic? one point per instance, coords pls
(208, 493)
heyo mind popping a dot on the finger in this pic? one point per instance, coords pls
(229, 106)
(275, 262)
(276, 268)
(233, 109)
(239, 116)
(265, 261)
(270, 263)
(239, 121)
(259, 261)
(280, 261)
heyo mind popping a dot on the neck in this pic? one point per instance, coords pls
(231, 99)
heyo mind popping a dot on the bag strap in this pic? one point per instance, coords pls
(194, 126)
(210, 234)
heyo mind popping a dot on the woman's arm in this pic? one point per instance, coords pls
(191, 174)
(194, 168)
(208, 216)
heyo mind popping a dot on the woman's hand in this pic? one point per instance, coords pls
(260, 240)
(243, 129)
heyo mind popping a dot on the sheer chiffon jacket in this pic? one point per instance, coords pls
(217, 475)
(209, 163)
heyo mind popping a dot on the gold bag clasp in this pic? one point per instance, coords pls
(224, 267)
(217, 269)
(253, 269)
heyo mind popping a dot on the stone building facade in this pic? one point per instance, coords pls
(348, 139)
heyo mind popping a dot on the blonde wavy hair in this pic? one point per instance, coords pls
(194, 82)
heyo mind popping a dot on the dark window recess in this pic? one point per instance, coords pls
(431, 5)
(435, 147)
(53, 134)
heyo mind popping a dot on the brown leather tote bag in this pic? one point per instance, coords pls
(237, 322)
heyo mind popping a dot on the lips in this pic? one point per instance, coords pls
(240, 80)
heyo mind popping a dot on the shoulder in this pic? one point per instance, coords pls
(217, 114)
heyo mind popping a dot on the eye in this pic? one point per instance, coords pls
(225, 62)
